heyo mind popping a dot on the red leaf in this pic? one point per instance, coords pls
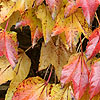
(54, 6)
(77, 72)
(93, 45)
(8, 46)
(86, 6)
(95, 79)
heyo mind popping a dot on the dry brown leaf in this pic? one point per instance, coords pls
(55, 54)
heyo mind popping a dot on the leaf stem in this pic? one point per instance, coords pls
(28, 48)
(50, 74)
(47, 71)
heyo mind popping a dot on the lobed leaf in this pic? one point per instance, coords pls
(86, 6)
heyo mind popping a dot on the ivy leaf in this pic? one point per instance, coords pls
(93, 45)
(76, 71)
(57, 51)
(95, 79)
(47, 23)
(73, 26)
(8, 46)
(22, 69)
(6, 71)
(35, 89)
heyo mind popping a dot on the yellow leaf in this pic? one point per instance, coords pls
(47, 23)
(73, 26)
(15, 17)
(58, 93)
(57, 55)
(10, 6)
(31, 19)
(6, 71)
(22, 70)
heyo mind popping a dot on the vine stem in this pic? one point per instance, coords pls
(96, 16)
(28, 48)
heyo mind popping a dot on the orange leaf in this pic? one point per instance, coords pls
(70, 8)
(35, 89)
(73, 26)
(31, 88)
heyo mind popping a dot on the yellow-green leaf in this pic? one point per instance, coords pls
(6, 71)
(22, 70)
(47, 23)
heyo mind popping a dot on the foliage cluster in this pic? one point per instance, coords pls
(61, 23)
